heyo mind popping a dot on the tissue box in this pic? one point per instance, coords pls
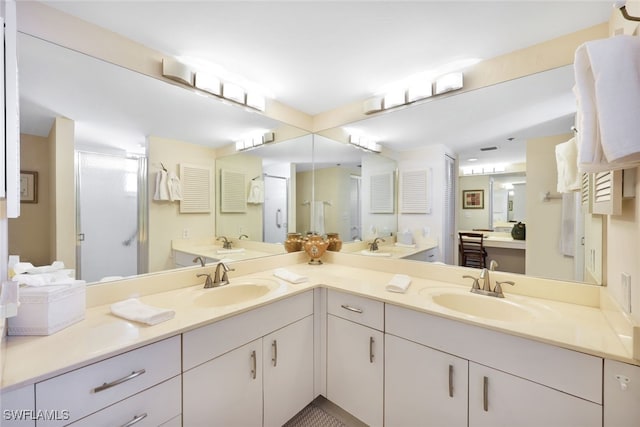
(45, 310)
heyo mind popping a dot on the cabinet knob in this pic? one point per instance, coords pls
(624, 382)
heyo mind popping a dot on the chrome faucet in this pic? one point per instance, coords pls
(373, 246)
(486, 284)
(217, 279)
(226, 244)
(243, 235)
(199, 258)
(207, 283)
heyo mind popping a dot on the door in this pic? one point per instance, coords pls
(288, 371)
(355, 213)
(449, 242)
(107, 215)
(275, 209)
(355, 365)
(423, 386)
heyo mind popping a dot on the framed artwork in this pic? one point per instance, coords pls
(28, 187)
(472, 199)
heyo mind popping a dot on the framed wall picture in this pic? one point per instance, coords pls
(28, 187)
(472, 199)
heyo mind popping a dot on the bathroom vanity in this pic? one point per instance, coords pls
(387, 358)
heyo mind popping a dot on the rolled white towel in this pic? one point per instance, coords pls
(567, 165)
(44, 279)
(289, 276)
(399, 283)
(133, 309)
(22, 267)
(175, 187)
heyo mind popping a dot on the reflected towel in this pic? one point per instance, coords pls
(567, 164)
(289, 276)
(607, 73)
(256, 191)
(568, 228)
(133, 309)
(317, 217)
(44, 279)
(174, 186)
(399, 283)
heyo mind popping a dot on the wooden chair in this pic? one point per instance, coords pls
(472, 251)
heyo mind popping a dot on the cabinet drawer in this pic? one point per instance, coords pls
(211, 341)
(87, 390)
(357, 309)
(152, 407)
(575, 373)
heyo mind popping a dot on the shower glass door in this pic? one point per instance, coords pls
(275, 209)
(107, 216)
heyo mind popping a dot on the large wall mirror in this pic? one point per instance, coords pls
(320, 163)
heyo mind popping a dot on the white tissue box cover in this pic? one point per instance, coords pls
(45, 310)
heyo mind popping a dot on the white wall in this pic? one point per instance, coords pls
(430, 157)
(468, 219)
(376, 224)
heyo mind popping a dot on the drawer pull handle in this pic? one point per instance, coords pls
(486, 394)
(274, 352)
(106, 386)
(371, 342)
(354, 309)
(253, 365)
(135, 420)
(450, 380)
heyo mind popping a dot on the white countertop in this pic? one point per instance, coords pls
(30, 359)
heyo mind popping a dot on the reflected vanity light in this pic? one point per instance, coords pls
(255, 140)
(479, 170)
(365, 143)
(448, 83)
(394, 98)
(256, 101)
(419, 90)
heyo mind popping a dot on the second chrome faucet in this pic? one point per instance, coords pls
(486, 283)
(218, 279)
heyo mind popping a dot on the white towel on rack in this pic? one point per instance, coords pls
(133, 309)
(162, 190)
(174, 186)
(607, 73)
(256, 191)
(567, 163)
(317, 217)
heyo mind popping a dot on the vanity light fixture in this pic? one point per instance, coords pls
(256, 101)
(372, 105)
(419, 90)
(268, 137)
(365, 143)
(394, 98)
(208, 83)
(255, 140)
(448, 83)
(177, 71)
(233, 92)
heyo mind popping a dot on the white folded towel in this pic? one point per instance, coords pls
(174, 187)
(607, 75)
(44, 279)
(133, 309)
(289, 276)
(27, 267)
(256, 191)
(399, 283)
(230, 251)
(567, 165)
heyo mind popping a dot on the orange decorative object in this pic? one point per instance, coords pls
(315, 246)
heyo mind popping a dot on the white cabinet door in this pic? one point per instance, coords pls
(355, 364)
(621, 394)
(18, 406)
(288, 371)
(423, 386)
(225, 391)
(500, 399)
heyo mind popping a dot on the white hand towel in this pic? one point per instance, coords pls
(567, 227)
(22, 267)
(162, 189)
(567, 165)
(133, 309)
(44, 279)
(256, 191)
(174, 187)
(399, 283)
(289, 276)
(317, 217)
(607, 75)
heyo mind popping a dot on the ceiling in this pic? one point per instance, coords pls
(316, 56)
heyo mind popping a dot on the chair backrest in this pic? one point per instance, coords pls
(472, 252)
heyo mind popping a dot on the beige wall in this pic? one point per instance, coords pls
(165, 220)
(233, 225)
(62, 192)
(30, 234)
(468, 219)
(303, 195)
(334, 186)
(543, 258)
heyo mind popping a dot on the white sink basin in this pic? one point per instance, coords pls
(235, 293)
(508, 309)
